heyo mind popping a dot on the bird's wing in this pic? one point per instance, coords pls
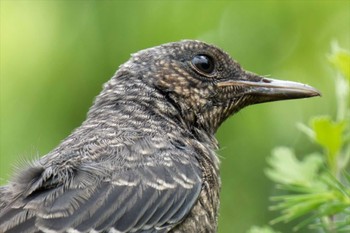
(149, 197)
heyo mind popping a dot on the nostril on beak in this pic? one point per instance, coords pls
(265, 80)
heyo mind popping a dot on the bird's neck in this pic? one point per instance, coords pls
(149, 108)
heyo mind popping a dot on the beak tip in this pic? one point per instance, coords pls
(313, 92)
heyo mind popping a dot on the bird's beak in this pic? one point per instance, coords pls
(266, 89)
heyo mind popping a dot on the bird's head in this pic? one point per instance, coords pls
(204, 83)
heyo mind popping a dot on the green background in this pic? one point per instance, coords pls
(55, 56)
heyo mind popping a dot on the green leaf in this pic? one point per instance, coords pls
(329, 135)
(287, 169)
(340, 58)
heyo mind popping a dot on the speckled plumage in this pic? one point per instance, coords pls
(144, 159)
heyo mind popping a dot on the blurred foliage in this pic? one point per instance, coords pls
(319, 185)
(256, 229)
(55, 55)
(340, 58)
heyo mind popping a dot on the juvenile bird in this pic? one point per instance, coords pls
(144, 159)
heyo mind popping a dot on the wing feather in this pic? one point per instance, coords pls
(79, 208)
(151, 197)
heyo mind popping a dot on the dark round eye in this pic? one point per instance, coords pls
(203, 63)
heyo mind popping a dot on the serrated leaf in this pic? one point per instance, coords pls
(287, 169)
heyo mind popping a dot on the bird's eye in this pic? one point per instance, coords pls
(203, 64)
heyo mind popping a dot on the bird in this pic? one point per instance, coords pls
(144, 160)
